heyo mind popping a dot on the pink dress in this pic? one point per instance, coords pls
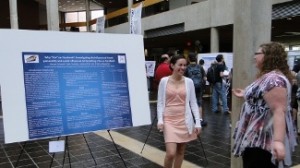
(175, 129)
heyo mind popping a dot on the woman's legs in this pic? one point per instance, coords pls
(179, 155)
(171, 149)
(174, 154)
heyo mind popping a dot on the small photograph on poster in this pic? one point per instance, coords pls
(121, 59)
(31, 58)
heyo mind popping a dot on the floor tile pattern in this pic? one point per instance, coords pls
(215, 139)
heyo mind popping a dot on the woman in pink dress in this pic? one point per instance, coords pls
(176, 106)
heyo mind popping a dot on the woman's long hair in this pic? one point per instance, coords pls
(275, 58)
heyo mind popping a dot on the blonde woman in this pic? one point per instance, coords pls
(264, 135)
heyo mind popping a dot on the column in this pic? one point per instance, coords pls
(52, 15)
(252, 27)
(88, 15)
(13, 7)
(129, 5)
(214, 40)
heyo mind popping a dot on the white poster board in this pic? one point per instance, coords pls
(150, 68)
(14, 43)
(293, 58)
(211, 57)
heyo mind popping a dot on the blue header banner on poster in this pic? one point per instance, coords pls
(70, 93)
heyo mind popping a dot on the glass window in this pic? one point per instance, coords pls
(296, 47)
(94, 15)
(71, 17)
(81, 17)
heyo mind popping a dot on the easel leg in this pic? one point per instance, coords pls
(67, 149)
(116, 148)
(199, 138)
(148, 133)
(23, 148)
(53, 155)
(68, 153)
(89, 149)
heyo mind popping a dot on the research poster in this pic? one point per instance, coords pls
(65, 83)
(150, 68)
(69, 93)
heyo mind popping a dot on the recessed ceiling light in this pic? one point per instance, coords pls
(110, 2)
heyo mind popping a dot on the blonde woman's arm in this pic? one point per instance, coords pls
(277, 101)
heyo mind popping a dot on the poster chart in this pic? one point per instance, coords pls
(61, 83)
(85, 92)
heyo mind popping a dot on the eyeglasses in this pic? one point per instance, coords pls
(257, 53)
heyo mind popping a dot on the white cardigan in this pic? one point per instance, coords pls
(190, 103)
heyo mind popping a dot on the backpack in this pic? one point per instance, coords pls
(194, 72)
(211, 74)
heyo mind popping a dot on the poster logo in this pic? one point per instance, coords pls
(31, 59)
(121, 59)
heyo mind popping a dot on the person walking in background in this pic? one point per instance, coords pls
(177, 112)
(194, 72)
(162, 69)
(219, 89)
(297, 74)
(264, 135)
(204, 77)
(201, 63)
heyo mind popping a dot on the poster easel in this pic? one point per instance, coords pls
(67, 150)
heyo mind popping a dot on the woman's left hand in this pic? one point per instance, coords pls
(197, 130)
(238, 92)
(279, 150)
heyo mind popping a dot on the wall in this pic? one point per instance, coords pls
(42, 14)
(206, 14)
(28, 13)
(173, 4)
(4, 16)
(197, 16)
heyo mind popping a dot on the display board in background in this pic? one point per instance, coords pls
(211, 57)
(62, 83)
(293, 59)
(150, 68)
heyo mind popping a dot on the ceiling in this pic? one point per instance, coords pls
(116, 3)
(113, 3)
(79, 5)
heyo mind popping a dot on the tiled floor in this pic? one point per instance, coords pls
(215, 138)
